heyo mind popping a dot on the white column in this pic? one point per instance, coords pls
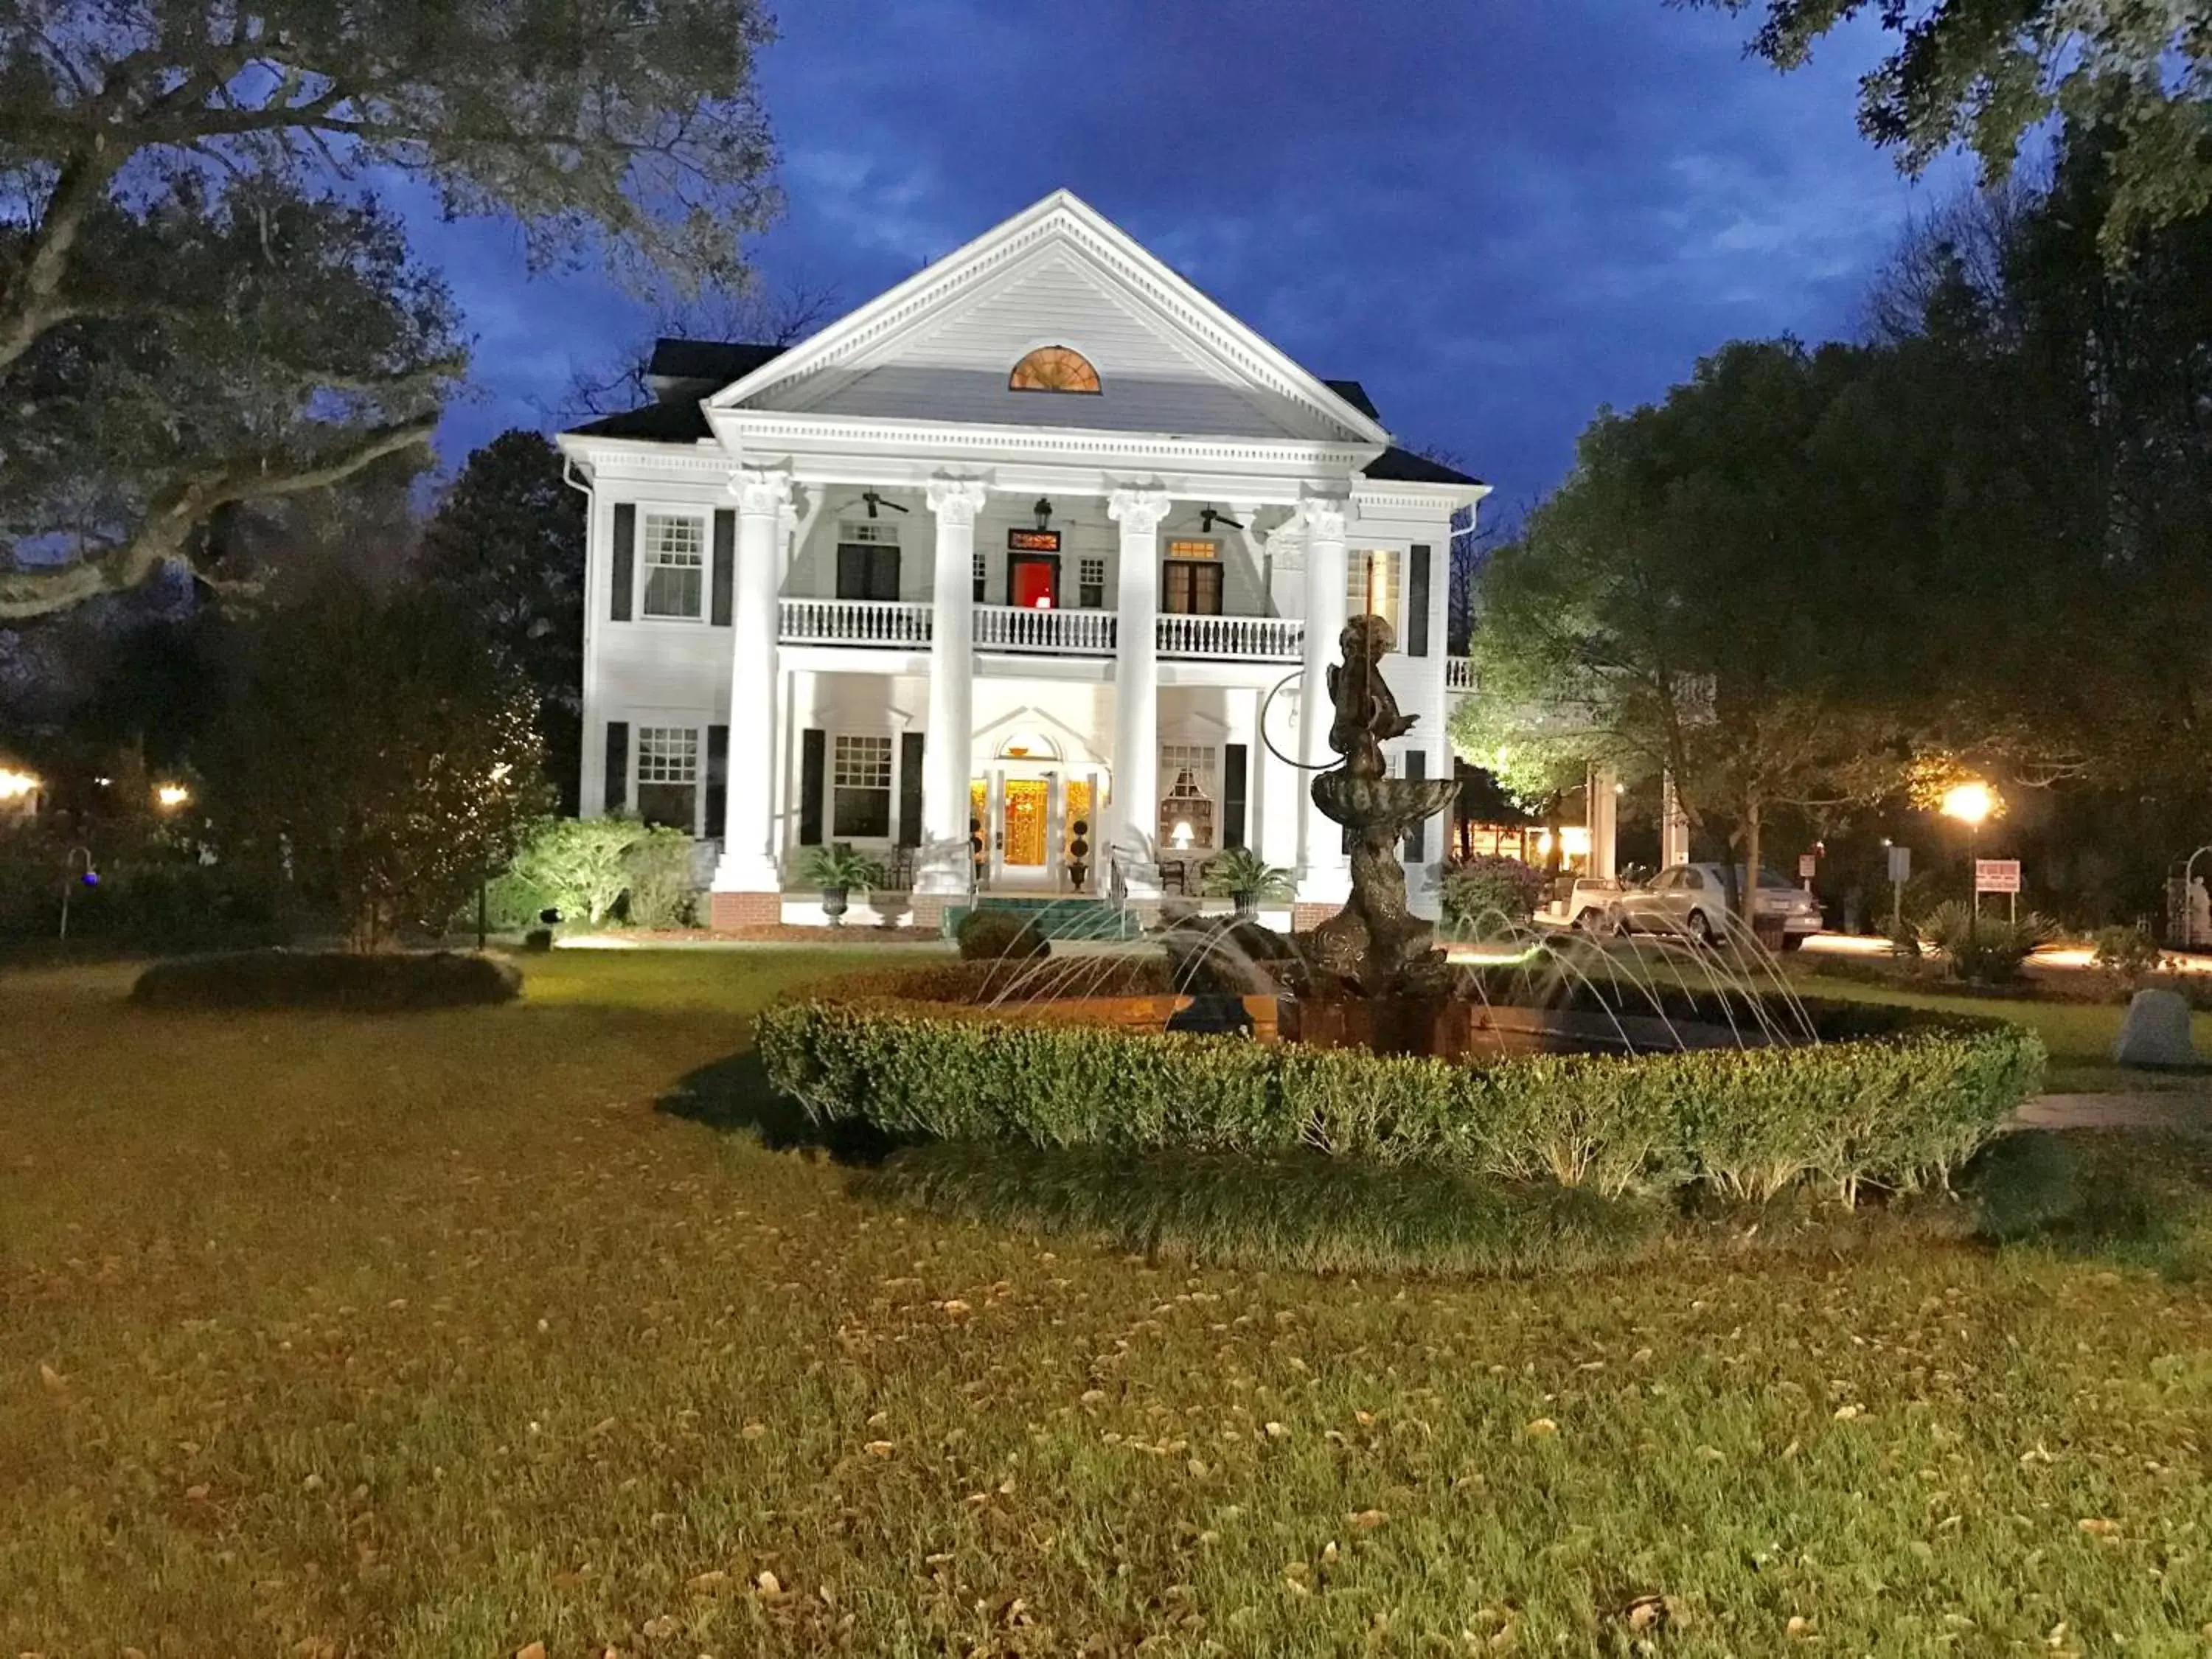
(942, 865)
(1324, 872)
(748, 863)
(1673, 824)
(1603, 819)
(1132, 826)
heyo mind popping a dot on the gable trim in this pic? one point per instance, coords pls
(1062, 213)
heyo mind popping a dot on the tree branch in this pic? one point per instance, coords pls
(165, 532)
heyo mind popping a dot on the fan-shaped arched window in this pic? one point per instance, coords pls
(1054, 369)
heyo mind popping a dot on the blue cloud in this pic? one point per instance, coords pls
(1498, 215)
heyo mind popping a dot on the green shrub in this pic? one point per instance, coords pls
(358, 981)
(2129, 950)
(839, 865)
(580, 866)
(1901, 1111)
(658, 869)
(1986, 949)
(986, 935)
(1300, 1212)
(1242, 874)
(1486, 894)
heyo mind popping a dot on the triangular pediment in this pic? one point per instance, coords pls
(941, 346)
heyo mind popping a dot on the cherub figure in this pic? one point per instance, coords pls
(1367, 713)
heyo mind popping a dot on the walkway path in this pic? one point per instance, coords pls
(2187, 1110)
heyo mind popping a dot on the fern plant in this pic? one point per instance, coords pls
(1242, 875)
(841, 867)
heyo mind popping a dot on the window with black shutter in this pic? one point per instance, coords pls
(622, 581)
(909, 793)
(1235, 774)
(718, 781)
(813, 751)
(726, 567)
(1416, 766)
(1417, 603)
(615, 796)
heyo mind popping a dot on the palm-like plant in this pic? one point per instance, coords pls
(1242, 875)
(836, 869)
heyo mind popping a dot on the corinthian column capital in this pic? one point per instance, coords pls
(762, 492)
(1325, 517)
(1139, 509)
(957, 500)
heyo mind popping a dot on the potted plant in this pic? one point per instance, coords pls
(837, 869)
(1242, 875)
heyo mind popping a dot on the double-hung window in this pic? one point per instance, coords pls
(668, 777)
(1091, 583)
(1371, 584)
(675, 583)
(860, 786)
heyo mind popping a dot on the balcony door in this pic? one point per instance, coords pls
(1190, 588)
(1033, 581)
(867, 571)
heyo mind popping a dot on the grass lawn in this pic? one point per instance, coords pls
(2079, 1035)
(430, 1334)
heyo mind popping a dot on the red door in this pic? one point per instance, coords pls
(1032, 580)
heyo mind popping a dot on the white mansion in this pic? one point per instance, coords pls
(1024, 577)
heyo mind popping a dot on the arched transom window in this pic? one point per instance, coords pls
(1054, 369)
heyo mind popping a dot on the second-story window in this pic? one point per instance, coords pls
(1371, 584)
(674, 568)
(1190, 577)
(1090, 584)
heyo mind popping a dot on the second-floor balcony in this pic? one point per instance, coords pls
(905, 624)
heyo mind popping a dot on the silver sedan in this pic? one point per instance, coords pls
(1690, 901)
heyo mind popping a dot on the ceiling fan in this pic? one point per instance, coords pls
(874, 500)
(1209, 517)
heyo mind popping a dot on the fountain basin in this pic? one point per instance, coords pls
(1393, 805)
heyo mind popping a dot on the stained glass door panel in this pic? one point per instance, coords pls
(1028, 800)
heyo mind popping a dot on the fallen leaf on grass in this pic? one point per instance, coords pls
(1647, 1612)
(708, 1583)
(1798, 1628)
(1543, 1426)
(1368, 1520)
(2098, 1527)
(768, 1584)
(535, 1650)
(880, 1448)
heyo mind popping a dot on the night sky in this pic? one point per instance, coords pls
(1497, 214)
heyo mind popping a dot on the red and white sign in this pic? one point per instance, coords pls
(1996, 875)
(1809, 866)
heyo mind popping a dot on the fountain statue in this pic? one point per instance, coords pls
(1373, 948)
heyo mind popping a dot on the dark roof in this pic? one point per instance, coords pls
(660, 423)
(1355, 394)
(719, 361)
(1403, 466)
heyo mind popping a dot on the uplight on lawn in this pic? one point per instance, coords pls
(1469, 954)
(15, 785)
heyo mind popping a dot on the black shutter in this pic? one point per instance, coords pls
(624, 578)
(1416, 766)
(852, 571)
(883, 573)
(909, 804)
(1235, 769)
(718, 780)
(1417, 607)
(726, 566)
(813, 750)
(617, 795)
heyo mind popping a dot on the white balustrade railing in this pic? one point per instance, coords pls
(903, 624)
(854, 622)
(1238, 639)
(1014, 628)
(1459, 674)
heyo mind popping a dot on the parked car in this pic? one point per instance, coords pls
(1690, 901)
(1586, 902)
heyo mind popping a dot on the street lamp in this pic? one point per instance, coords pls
(1970, 803)
(170, 796)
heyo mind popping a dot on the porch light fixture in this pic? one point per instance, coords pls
(1043, 511)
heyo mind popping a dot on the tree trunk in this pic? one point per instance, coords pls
(1747, 895)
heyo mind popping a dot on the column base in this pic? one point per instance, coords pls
(727, 912)
(746, 873)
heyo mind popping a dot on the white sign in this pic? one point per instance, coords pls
(1807, 866)
(1996, 875)
(1901, 865)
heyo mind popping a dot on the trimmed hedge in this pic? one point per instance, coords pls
(357, 981)
(1899, 1111)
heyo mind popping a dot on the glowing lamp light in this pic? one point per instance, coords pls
(15, 785)
(1183, 835)
(170, 796)
(1969, 803)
